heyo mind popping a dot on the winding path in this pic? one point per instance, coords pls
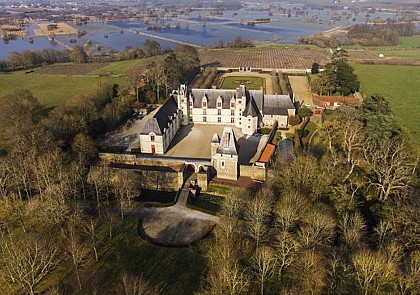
(176, 225)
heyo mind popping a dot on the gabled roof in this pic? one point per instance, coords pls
(162, 118)
(228, 143)
(151, 125)
(277, 104)
(216, 138)
(212, 95)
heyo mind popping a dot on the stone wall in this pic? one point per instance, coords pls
(160, 181)
(255, 172)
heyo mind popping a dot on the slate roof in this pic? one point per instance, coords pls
(216, 138)
(231, 147)
(277, 104)
(161, 119)
(251, 109)
(212, 95)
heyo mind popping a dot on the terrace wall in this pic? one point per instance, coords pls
(254, 172)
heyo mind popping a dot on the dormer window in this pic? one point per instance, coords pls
(204, 103)
(191, 103)
(219, 102)
(152, 137)
(232, 105)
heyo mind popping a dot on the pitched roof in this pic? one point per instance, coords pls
(338, 99)
(277, 104)
(212, 95)
(267, 153)
(216, 138)
(228, 143)
(162, 118)
(251, 109)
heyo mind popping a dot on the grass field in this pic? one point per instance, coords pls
(118, 67)
(400, 85)
(233, 82)
(52, 90)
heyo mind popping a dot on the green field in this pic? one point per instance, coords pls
(233, 82)
(400, 85)
(52, 90)
(119, 67)
(410, 42)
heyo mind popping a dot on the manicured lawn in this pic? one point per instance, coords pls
(233, 82)
(52, 90)
(118, 67)
(400, 85)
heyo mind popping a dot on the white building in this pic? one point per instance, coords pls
(242, 108)
(159, 131)
(245, 109)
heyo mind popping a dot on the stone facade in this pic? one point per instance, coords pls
(225, 152)
(160, 130)
(245, 109)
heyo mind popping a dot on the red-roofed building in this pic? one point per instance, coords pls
(333, 102)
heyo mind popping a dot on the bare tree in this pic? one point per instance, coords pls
(257, 213)
(289, 210)
(90, 227)
(310, 272)
(264, 263)
(77, 249)
(27, 260)
(409, 278)
(234, 203)
(317, 227)
(229, 279)
(391, 166)
(124, 187)
(352, 227)
(372, 271)
(286, 251)
(136, 285)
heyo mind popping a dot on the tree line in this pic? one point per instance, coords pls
(366, 34)
(79, 54)
(165, 75)
(344, 223)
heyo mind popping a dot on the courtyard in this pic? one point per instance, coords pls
(193, 141)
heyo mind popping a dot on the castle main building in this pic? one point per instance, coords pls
(245, 109)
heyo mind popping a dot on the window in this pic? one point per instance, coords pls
(232, 105)
(222, 163)
(191, 103)
(204, 111)
(219, 120)
(152, 137)
(249, 119)
(219, 112)
(219, 104)
(204, 104)
(191, 119)
(232, 120)
(232, 112)
(204, 119)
